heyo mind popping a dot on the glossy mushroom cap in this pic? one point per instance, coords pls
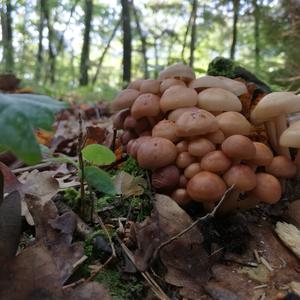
(184, 159)
(242, 177)
(282, 167)
(217, 99)
(126, 136)
(155, 153)
(170, 82)
(134, 146)
(179, 71)
(216, 162)
(175, 114)
(176, 97)
(238, 147)
(119, 118)
(236, 87)
(182, 146)
(268, 188)
(196, 123)
(291, 136)
(200, 146)
(263, 155)
(136, 84)
(150, 86)
(124, 99)
(232, 122)
(191, 170)
(216, 137)
(206, 82)
(166, 178)
(206, 186)
(146, 105)
(165, 129)
(130, 122)
(181, 197)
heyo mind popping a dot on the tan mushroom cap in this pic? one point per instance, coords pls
(119, 118)
(268, 188)
(166, 178)
(184, 159)
(155, 153)
(146, 105)
(263, 155)
(232, 122)
(239, 147)
(216, 162)
(236, 87)
(182, 146)
(206, 82)
(242, 177)
(200, 146)
(124, 99)
(273, 105)
(165, 84)
(217, 99)
(282, 167)
(196, 123)
(136, 84)
(176, 97)
(178, 70)
(175, 114)
(134, 146)
(291, 136)
(216, 137)
(181, 197)
(165, 129)
(206, 186)
(192, 170)
(150, 86)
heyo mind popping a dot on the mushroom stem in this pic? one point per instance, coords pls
(281, 126)
(271, 133)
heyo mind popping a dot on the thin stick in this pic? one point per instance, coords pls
(81, 166)
(95, 272)
(30, 168)
(76, 283)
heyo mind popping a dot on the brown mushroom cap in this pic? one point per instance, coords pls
(196, 123)
(191, 170)
(124, 99)
(166, 178)
(176, 97)
(165, 129)
(200, 146)
(150, 86)
(238, 147)
(206, 186)
(181, 197)
(184, 159)
(146, 105)
(156, 152)
(282, 167)
(119, 118)
(126, 136)
(182, 146)
(216, 162)
(134, 146)
(142, 125)
(182, 181)
(216, 137)
(170, 82)
(241, 176)
(263, 155)
(206, 82)
(175, 114)
(129, 122)
(268, 188)
(136, 84)
(232, 122)
(179, 71)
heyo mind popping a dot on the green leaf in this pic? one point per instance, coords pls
(99, 180)
(98, 154)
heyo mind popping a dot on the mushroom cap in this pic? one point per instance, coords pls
(273, 105)
(119, 118)
(236, 87)
(282, 167)
(129, 122)
(191, 170)
(216, 137)
(232, 122)
(165, 129)
(184, 159)
(146, 105)
(200, 146)
(166, 178)
(176, 113)
(291, 136)
(126, 136)
(263, 155)
(181, 197)
(239, 147)
(206, 82)
(216, 162)
(196, 123)
(134, 146)
(142, 125)
(242, 177)
(206, 186)
(156, 152)
(182, 181)
(178, 96)
(136, 84)
(178, 70)
(217, 99)
(268, 188)
(182, 146)
(124, 99)
(150, 86)
(165, 84)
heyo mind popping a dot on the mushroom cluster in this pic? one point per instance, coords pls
(193, 137)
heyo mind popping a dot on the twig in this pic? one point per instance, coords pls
(266, 264)
(30, 168)
(73, 284)
(98, 269)
(113, 145)
(79, 262)
(81, 166)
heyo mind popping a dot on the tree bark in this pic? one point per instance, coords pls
(256, 13)
(185, 37)
(236, 8)
(7, 36)
(127, 36)
(143, 41)
(193, 31)
(85, 53)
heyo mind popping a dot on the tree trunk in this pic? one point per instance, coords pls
(193, 31)
(126, 41)
(185, 37)
(256, 13)
(236, 8)
(7, 36)
(85, 53)
(143, 41)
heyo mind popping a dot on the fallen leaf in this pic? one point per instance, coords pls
(11, 183)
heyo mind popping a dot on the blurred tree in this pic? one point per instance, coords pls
(193, 31)
(236, 8)
(256, 13)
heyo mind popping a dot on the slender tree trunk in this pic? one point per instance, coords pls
(236, 8)
(39, 56)
(143, 41)
(193, 31)
(7, 36)
(126, 41)
(85, 53)
(156, 56)
(185, 37)
(101, 59)
(256, 34)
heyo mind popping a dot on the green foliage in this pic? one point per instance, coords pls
(98, 154)
(71, 197)
(132, 167)
(20, 114)
(222, 67)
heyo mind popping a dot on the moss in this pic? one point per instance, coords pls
(221, 66)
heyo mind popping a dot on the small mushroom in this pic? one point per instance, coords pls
(150, 86)
(126, 136)
(182, 146)
(119, 118)
(200, 146)
(216, 162)
(263, 155)
(181, 197)
(124, 99)
(178, 71)
(191, 170)
(282, 167)
(165, 129)
(205, 82)
(136, 84)
(146, 105)
(184, 159)
(134, 146)
(175, 114)
(129, 123)
(182, 181)
(166, 178)
(236, 87)
(170, 82)
(216, 137)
